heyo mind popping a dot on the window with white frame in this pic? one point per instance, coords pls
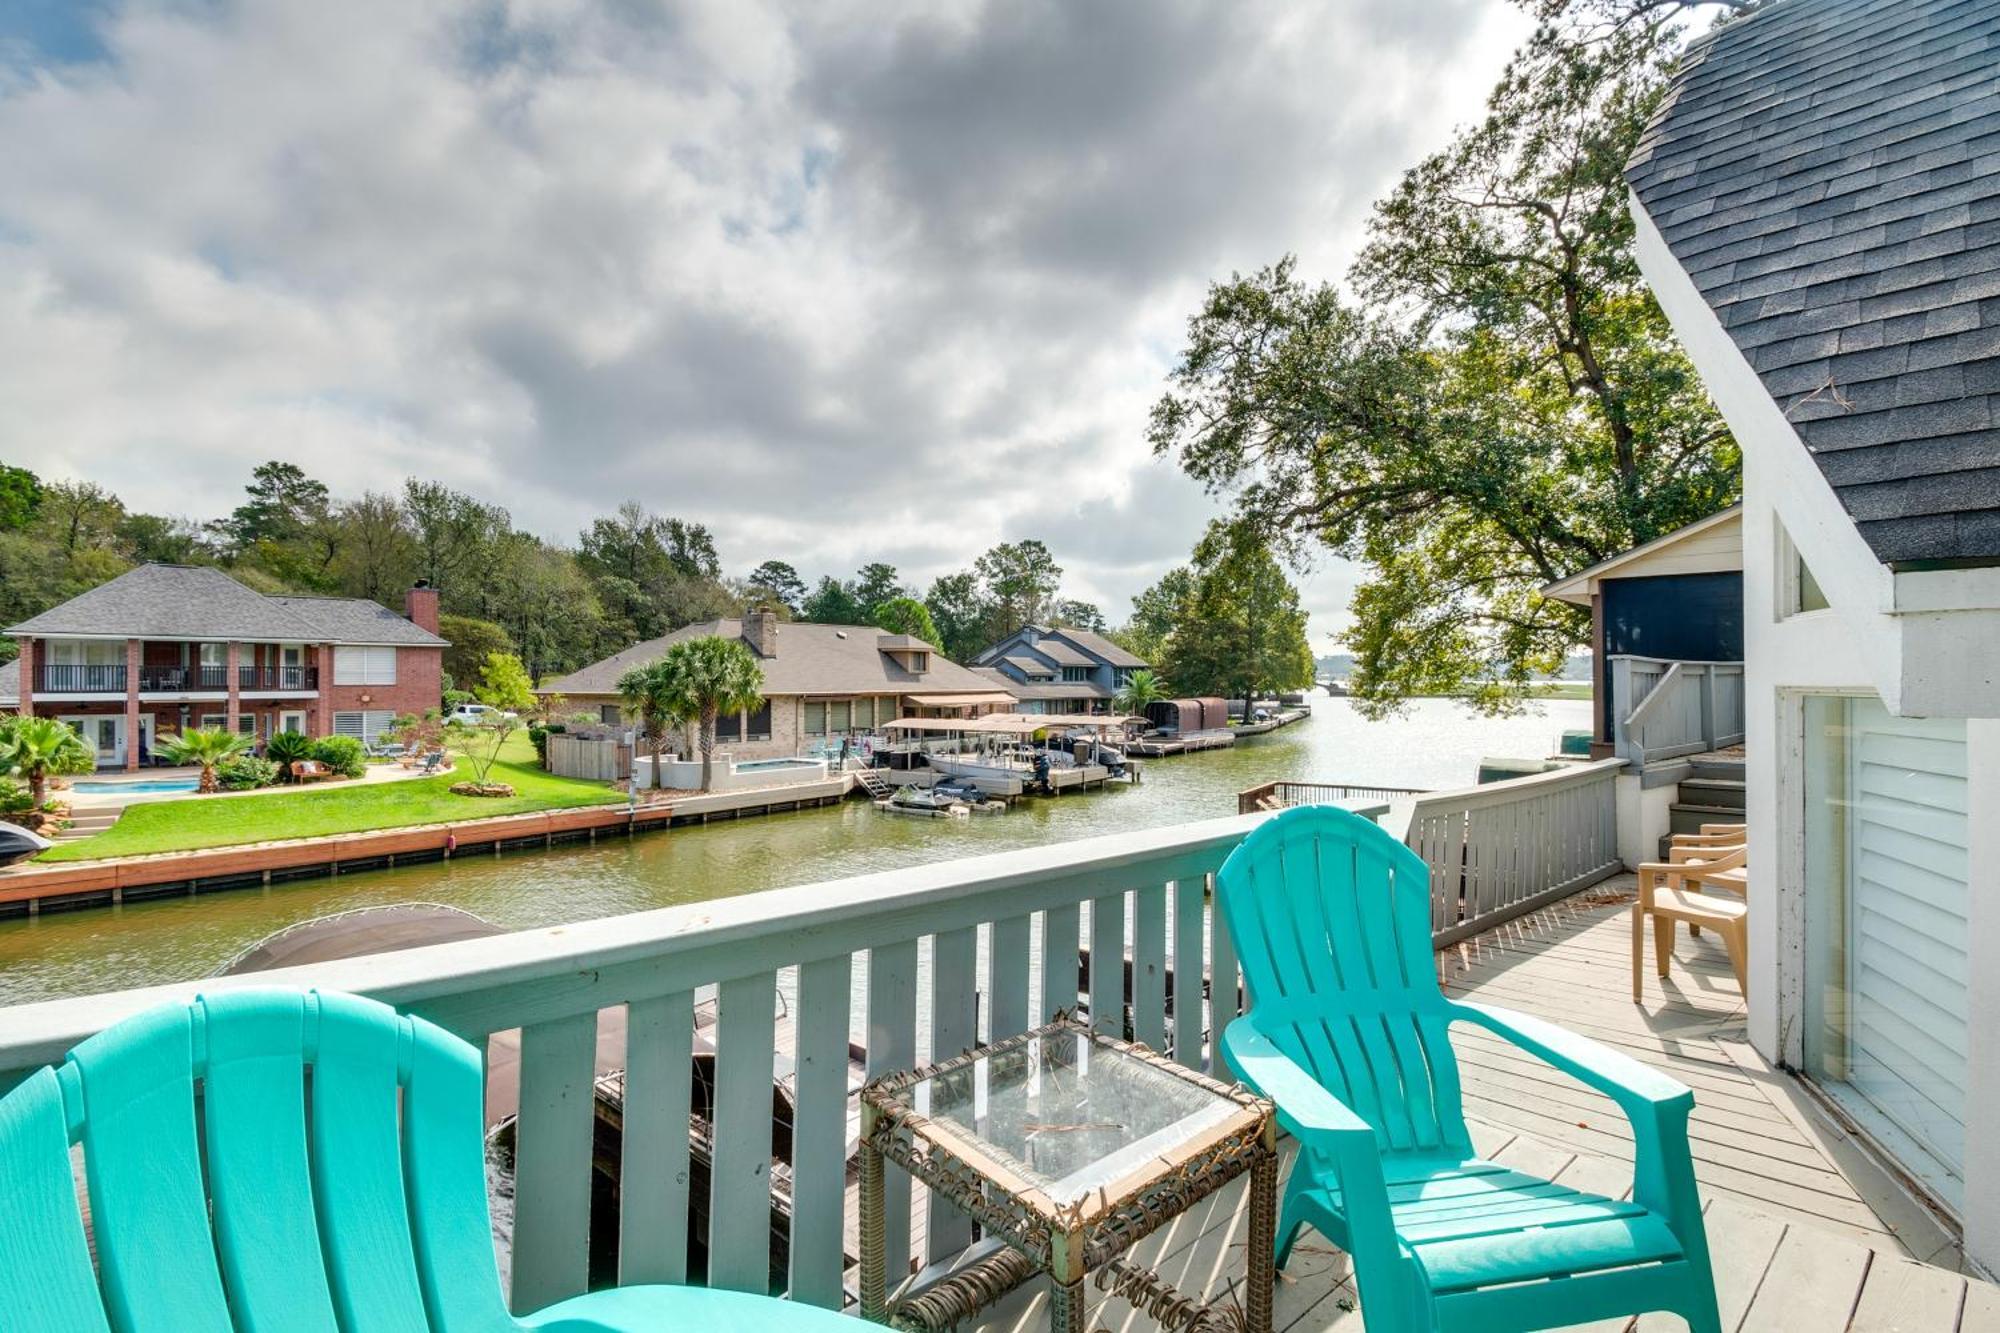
(363, 664)
(365, 726)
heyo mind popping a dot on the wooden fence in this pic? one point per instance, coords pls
(598, 760)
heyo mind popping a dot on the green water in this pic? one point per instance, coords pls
(1436, 744)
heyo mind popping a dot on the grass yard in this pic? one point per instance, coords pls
(350, 807)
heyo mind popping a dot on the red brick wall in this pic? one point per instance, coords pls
(420, 607)
(419, 686)
(29, 651)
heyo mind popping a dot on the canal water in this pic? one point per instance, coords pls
(1436, 743)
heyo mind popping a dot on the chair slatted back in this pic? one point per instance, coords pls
(260, 1159)
(1331, 920)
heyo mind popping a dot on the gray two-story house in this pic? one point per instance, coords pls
(1058, 670)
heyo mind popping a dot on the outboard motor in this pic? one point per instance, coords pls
(1042, 770)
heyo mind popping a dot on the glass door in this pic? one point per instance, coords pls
(1886, 965)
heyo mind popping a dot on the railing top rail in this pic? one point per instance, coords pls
(1512, 789)
(1669, 661)
(502, 981)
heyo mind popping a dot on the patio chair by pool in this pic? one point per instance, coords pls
(292, 1203)
(1347, 1033)
(431, 763)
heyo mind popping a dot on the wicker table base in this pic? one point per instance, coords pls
(1069, 1244)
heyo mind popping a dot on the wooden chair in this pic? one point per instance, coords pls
(1668, 893)
(1348, 1034)
(310, 770)
(353, 1199)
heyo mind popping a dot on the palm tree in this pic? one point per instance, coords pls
(711, 676)
(648, 691)
(36, 747)
(206, 746)
(1141, 689)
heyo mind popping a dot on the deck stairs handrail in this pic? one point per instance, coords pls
(1665, 709)
(869, 779)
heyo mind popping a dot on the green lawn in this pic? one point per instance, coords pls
(350, 807)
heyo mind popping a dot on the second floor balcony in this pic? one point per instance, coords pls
(107, 678)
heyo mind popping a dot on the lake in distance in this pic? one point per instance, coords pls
(1436, 743)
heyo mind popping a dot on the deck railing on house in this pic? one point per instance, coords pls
(1282, 795)
(913, 964)
(1663, 709)
(1504, 849)
(75, 678)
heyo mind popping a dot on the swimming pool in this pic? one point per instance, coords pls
(120, 788)
(760, 765)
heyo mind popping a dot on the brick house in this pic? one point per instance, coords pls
(163, 647)
(822, 683)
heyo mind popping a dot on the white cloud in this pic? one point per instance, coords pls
(843, 280)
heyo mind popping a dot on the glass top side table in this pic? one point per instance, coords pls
(1069, 1147)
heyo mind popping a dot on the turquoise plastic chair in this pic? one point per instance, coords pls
(296, 1199)
(1347, 1034)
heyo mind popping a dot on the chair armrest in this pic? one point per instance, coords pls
(1312, 1114)
(1636, 1087)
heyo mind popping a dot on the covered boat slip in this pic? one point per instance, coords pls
(996, 753)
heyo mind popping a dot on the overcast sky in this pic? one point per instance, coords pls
(843, 280)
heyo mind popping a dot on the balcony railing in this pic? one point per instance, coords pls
(1664, 709)
(911, 964)
(52, 678)
(278, 678)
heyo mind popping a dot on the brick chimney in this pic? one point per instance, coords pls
(760, 631)
(420, 606)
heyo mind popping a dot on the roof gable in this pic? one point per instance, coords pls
(1827, 172)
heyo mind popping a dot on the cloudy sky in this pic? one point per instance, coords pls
(844, 280)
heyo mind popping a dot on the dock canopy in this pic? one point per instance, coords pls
(958, 700)
(1018, 724)
(1186, 715)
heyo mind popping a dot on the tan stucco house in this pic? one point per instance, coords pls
(821, 683)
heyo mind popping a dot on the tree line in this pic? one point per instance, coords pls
(631, 576)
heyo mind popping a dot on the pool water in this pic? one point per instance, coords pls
(114, 788)
(762, 765)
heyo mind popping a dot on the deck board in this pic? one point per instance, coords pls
(1797, 1236)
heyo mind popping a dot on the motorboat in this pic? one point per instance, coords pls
(928, 802)
(18, 844)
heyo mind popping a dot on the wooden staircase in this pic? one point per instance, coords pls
(1711, 793)
(871, 781)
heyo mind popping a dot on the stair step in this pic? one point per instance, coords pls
(1682, 818)
(1730, 770)
(1722, 793)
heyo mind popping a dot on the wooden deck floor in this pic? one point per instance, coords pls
(1805, 1233)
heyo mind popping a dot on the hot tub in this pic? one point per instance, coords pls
(728, 774)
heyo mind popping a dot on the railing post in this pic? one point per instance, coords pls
(1619, 704)
(1708, 728)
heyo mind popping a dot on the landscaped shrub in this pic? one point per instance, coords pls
(246, 772)
(343, 754)
(15, 798)
(286, 748)
(538, 736)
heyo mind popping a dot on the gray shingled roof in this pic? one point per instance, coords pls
(1054, 689)
(1828, 174)
(198, 602)
(1028, 666)
(358, 620)
(811, 659)
(1101, 647)
(171, 602)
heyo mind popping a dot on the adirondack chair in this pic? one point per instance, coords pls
(1347, 1034)
(300, 1200)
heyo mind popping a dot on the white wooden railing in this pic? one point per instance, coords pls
(1504, 849)
(913, 964)
(1663, 709)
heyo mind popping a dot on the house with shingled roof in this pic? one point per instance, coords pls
(823, 684)
(1057, 669)
(1817, 208)
(163, 647)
